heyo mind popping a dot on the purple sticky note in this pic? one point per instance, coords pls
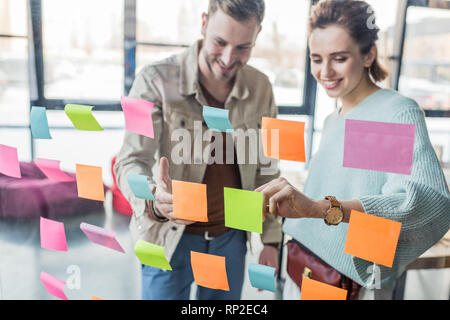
(379, 146)
(53, 285)
(9, 162)
(103, 237)
(138, 116)
(53, 236)
(52, 171)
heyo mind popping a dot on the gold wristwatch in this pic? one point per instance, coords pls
(334, 215)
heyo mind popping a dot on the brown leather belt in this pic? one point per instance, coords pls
(208, 235)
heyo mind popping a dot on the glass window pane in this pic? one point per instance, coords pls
(149, 54)
(71, 146)
(425, 73)
(83, 49)
(13, 17)
(170, 21)
(281, 49)
(14, 93)
(17, 138)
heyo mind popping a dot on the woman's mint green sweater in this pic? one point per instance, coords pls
(420, 201)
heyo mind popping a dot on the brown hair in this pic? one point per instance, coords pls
(241, 10)
(358, 18)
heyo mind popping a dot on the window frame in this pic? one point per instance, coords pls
(399, 44)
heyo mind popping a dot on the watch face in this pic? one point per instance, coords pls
(334, 215)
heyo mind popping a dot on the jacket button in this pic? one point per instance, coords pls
(182, 123)
(174, 228)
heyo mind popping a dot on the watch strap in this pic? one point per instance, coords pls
(333, 201)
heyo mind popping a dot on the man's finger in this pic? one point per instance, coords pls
(164, 173)
(163, 197)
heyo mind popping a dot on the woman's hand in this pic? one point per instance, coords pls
(286, 201)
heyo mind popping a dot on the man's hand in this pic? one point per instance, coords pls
(163, 194)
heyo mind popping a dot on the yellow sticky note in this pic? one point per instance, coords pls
(316, 290)
(209, 271)
(90, 182)
(189, 201)
(372, 238)
(151, 255)
(81, 117)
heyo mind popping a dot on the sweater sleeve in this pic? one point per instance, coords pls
(420, 201)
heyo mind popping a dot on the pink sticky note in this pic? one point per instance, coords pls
(53, 285)
(9, 162)
(103, 237)
(52, 171)
(379, 146)
(53, 236)
(138, 116)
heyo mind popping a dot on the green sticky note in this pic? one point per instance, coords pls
(243, 209)
(81, 117)
(151, 255)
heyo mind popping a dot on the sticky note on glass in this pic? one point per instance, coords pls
(217, 119)
(209, 271)
(139, 186)
(81, 117)
(138, 116)
(96, 298)
(262, 277)
(283, 139)
(53, 236)
(151, 255)
(189, 201)
(53, 285)
(39, 123)
(315, 290)
(9, 162)
(101, 236)
(372, 238)
(379, 146)
(90, 182)
(51, 169)
(243, 209)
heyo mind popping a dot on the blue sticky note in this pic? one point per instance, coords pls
(262, 277)
(39, 123)
(217, 119)
(139, 185)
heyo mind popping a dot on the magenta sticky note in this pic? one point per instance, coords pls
(379, 146)
(101, 236)
(52, 170)
(53, 236)
(9, 162)
(53, 285)
(138, 116)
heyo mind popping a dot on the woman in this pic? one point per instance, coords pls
(344, 61)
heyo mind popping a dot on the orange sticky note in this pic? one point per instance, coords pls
(90, 182)
(209, 271)
(189, 201)
(283, 139)
(96, 298)
(372, 238)
(316, 290)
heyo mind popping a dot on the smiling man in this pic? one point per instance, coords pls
(212, 72)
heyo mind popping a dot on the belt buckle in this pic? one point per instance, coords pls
(207, 237)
